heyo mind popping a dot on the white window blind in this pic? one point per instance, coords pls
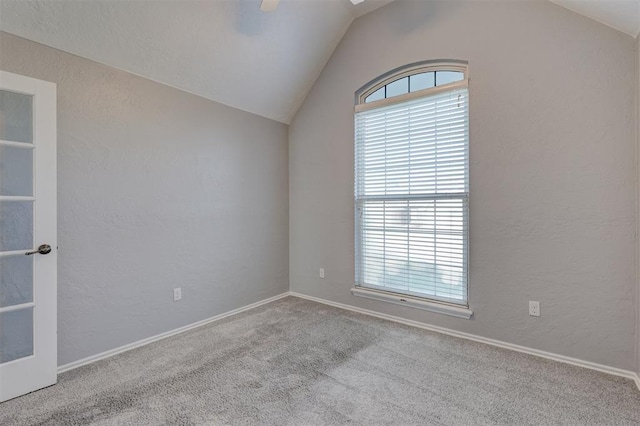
(412, 195)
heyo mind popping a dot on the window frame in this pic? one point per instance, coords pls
(427, 302)
(406, 71)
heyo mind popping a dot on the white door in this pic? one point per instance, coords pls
(28, 329)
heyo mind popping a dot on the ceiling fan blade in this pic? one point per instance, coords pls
(269, 5)
(355, 2)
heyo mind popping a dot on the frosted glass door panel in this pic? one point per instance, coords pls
(16, 280)
(16, 171)
(16, 225)
(28, 326)
(16, 117)
(16, 334)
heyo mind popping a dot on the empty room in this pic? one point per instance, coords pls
(319, 212)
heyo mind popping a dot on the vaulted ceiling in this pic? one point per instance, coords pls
(623, 15)
(226, 50)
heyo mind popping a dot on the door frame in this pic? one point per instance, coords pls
(39, 370)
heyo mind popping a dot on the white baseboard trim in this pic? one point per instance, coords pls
(139, 343)
(524, 349)
(554, 357)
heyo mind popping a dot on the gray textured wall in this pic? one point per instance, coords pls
(638, 207)
(552, 166)
(157, 189)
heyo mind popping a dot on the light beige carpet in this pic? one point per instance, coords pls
(295, 362)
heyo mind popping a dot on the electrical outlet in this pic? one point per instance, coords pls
(534, 309)
(177, 294)
(321, 273)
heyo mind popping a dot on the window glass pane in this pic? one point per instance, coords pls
(415, 147)
(16, 117)
(16, 225)
(446, 77)
(16, 171)
(16, 280)
(16, 334)
(398, 87)
(410, 240)
(375, 96)
(415, 246)
(422, 81)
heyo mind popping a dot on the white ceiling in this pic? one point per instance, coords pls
(225, 50)
(623, 15)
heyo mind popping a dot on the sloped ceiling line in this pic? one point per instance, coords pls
(225, 50)
(623, 15)
(228, 51)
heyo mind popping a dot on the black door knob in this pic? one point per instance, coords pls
(43, 249)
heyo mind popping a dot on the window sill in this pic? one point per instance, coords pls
(440, 308)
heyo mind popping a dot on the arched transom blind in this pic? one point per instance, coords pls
(412, 194)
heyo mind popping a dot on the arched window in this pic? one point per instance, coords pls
(412, 186)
